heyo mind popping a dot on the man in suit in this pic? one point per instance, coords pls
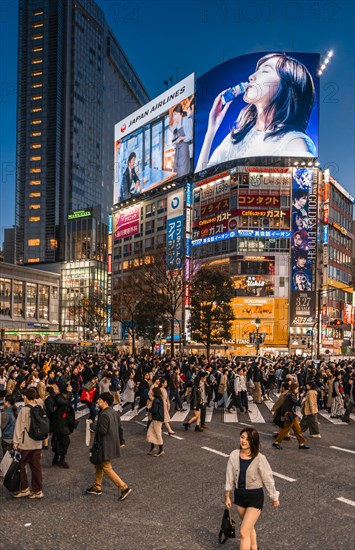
(129, 177)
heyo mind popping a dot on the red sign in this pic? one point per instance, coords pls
(109, 264)
(126, 222)
(268, 169)
(252, 212)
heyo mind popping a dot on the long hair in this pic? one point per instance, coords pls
(290, 107)
(254, 440)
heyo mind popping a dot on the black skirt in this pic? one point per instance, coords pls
(249, 498)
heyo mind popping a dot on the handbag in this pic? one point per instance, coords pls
(12, 477)
(89, 385)
(5, 463)
(227, 527)
(87, 396)
(96, 453)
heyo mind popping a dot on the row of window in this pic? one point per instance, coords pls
(26, 300)
(340, 257)
(339, 275)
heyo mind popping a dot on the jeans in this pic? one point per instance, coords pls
(92, 409)
(175, 393)
(106, 468)
(33, 459)
(75, 401)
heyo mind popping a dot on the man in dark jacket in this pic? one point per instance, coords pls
(110, 436)
(62, 423)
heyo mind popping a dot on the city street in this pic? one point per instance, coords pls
(178, 500)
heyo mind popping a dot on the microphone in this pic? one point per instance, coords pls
(233, 92)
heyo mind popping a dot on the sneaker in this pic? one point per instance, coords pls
(93, 491)
(316, 436)
(277, 446)
(303, 447)
(23, 493)
(125, 493)
(38, 494)
(161, 453)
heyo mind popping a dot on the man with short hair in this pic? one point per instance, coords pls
(30, 449)
(110, 436)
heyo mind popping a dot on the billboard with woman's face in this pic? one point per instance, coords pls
(257, 105)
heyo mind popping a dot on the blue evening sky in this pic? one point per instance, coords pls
(170, 39)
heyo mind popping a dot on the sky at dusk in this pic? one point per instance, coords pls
(170, 39)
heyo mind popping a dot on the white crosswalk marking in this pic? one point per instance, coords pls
(346, 501)
(230, 417)
(126, 417)
(255, 414)
(209, 413)
(180, 416)
(332, 420)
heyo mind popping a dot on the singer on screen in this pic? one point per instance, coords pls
(280, 96)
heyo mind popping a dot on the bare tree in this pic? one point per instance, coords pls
(91, 313)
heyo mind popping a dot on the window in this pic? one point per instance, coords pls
(35, 195)
(37, 61)
(35, 170)
(36, 110)
(35, 206)
(37, 36)
(33, 260)
(36, 97)
(18, 294)
(36, 121)
(35, 145)
(37, 85)
(34, 218)
(43, 302)
(34, 242)
(38, 157)
(31, 299)
(35, 182)
(37, 73)
(37, 13)
(36, 25)
(37, 49)
(5, 297)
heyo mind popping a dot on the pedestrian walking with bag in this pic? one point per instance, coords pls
(8, 421)
(310, 410)
(155, 431)
(290, 419)
(248, 474)
(107, 443)
(32, 427)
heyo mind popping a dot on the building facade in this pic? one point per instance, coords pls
(336, 287)
(29, 305)
(74, 82)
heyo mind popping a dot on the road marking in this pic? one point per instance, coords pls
(346, 501)
(281, 476)
(174, 436)
(332, 420)
(254, 414)
(209, 412)
(180, 416)
(126, 417)
(214, 451)
(341, 449)
(230, 417)
(140, 423)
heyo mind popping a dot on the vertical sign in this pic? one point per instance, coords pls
(109, 273)
(175, 230)
(304, 247)
(187, 294)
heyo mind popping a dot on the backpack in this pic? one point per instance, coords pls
(39, 423)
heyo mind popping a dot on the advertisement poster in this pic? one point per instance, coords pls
(175, 230)
(244, 308)
(155, 144)
(126, 222)
(304, 246)
(253, 285)
(230, 122)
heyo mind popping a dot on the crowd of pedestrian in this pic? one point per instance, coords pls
(112, 383)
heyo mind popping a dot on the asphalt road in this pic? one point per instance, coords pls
(178, 500)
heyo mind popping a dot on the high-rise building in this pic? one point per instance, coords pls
(74, 82)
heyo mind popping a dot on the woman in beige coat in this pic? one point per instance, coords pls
(310, 410)
(165, 398)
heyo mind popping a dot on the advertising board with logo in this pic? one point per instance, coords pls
(244, 308)
(126, 222)
(253, 285)
(227, 114)
(155, 144)
(175, 230)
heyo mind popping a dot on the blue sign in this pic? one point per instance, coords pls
(188, 194)
(188, 246)
(326, 234)
(110, 223)
(215, 238)
(277, 234)
(108, 318)
(174, 243)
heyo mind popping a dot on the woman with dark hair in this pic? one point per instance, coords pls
(182, 138)
(8, 421)
(248, 472)
(196, 402)
(280, 96)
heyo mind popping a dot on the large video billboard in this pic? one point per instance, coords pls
(257, 105)
(155, 143)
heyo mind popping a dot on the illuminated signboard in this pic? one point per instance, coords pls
(155, 143)
(79, 214)
(126, 222)
(273, 234)
(227, 114)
